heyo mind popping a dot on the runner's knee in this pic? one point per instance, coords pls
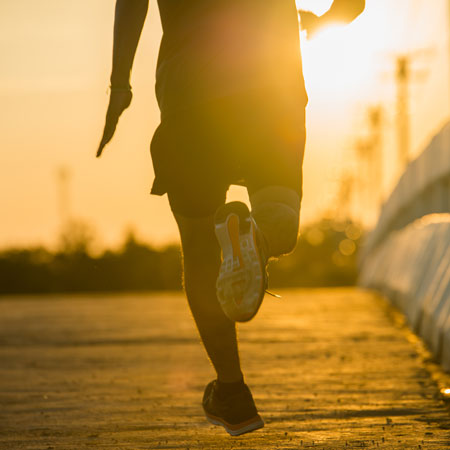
(276, 211)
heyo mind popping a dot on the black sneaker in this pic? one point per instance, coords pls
(242, 278)
(236, 413)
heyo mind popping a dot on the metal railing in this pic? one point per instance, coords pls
(407, 255)
(424, 188)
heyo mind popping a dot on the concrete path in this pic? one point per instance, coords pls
(329, 369)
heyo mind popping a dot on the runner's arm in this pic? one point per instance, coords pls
(341, 11)
(344, 11)
(128, 23)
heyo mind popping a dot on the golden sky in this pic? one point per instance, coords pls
(55, 71)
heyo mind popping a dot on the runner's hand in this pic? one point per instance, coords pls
(310, 22)
(119, 101)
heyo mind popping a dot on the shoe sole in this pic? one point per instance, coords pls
(241, 282)
(237, 429)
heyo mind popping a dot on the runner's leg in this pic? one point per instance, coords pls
(276, 210)
(274, 175)
(201, 262)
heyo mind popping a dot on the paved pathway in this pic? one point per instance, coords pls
(330, 369)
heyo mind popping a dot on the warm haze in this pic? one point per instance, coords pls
(53, 82)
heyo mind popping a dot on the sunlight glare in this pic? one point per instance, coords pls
(344, 62)
(337, 63)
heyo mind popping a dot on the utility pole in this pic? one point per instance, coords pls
(370, 174)
(63, 178)
(344, 197)
(402, 80)
(376, 154)
(448, 53)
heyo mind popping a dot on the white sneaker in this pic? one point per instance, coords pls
(242, 279)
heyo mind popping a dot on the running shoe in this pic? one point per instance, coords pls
(242, 279)
(236, 413)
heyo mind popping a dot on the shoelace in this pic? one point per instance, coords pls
(273, 294)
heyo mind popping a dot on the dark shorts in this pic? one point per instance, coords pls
(253, 139)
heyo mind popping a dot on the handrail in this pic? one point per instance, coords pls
(424, 188)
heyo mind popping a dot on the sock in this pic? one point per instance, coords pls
(227, 389)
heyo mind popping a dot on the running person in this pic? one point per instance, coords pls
(230, 88)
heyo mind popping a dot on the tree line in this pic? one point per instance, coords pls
(326, 255)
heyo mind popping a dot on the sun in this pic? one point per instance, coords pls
(338, 62)
(349, 60)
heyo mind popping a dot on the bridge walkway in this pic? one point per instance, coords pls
(329, 368)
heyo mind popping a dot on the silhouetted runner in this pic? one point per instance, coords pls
(230, 88)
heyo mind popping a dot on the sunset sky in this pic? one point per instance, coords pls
(56, 58)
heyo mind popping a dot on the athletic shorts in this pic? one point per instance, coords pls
(251, 139)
